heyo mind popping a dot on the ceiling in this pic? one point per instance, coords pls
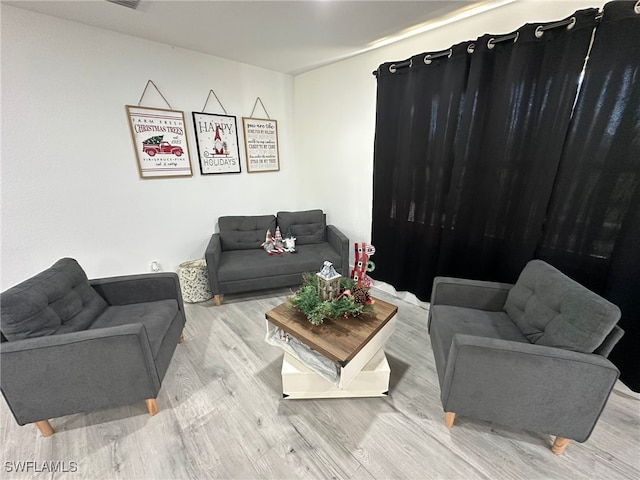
(285, 36)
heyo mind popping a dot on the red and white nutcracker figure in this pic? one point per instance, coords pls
(363, 264)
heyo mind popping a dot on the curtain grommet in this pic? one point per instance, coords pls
(491, 43)
(428, 59)
(636, 8)
(540, 29)
(392, 68)
(471, 48)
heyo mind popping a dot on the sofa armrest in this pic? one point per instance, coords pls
(489, 296)
(212, 256)
(534, 387)
(460, 292)
(147, 287)
(340, 243)
(90, 370)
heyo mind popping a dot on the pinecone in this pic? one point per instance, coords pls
(360, 294)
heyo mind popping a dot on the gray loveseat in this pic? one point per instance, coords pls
(236, 263)
(531, 355)
(72, 345)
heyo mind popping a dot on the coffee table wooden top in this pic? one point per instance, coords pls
(338, 340)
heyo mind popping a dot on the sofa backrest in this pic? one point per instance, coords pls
(60, 295)
(308, 226)
(551, 309)
(245, 232)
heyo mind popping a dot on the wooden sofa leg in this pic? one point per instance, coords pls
(449, 417)
(181, 339)
(152, 406)
(45, 428)
(559, 445)
(216, 298)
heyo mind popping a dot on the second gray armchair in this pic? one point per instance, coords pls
(531, 355)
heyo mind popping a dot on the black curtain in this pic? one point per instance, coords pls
(494, 158)
(593, 227)
(518, 103)
(418, 105)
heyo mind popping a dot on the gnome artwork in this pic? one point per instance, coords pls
(218, 145)
(217, 138)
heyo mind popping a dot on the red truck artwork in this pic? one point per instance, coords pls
(153, 149)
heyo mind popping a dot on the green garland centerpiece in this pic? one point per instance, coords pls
(352, 300)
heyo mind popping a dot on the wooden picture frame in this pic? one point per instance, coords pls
(217, 142)
(160, 140)
(261, 144)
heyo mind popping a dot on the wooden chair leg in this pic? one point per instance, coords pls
(449, 417)
(45, 428)
(559, 445)
(152, 406)
(216, 298)
(181, 339)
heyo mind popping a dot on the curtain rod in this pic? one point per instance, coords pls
(409, 63)
(569, 22)
(539, 32)
(429, 57)
(491, 43)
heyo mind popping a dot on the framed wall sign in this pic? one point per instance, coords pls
(261, 143)
(160, 141)
(217, 140)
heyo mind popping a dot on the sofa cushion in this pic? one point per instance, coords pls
(552, 309)
(155, 316)
(307, 226)
(59, 296)
(447, 320)
(249, 264)
(245, 232)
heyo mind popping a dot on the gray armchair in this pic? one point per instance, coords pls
(531, 355)
(72, 345)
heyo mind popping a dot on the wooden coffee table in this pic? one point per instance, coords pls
(355, 345)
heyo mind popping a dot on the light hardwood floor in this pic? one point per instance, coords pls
(221, 415)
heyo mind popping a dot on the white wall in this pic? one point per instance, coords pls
(335, 108)
(69, 180)
(69, 177)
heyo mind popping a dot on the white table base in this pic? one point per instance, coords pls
(299, 381)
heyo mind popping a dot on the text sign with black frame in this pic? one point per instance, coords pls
(217, 141)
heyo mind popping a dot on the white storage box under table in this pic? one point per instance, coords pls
(299, 381)
(339, 358)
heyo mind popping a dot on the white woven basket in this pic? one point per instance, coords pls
(194, 281)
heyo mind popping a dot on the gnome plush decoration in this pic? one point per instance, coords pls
(269, 244)
(279, 242)
(290, 244)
